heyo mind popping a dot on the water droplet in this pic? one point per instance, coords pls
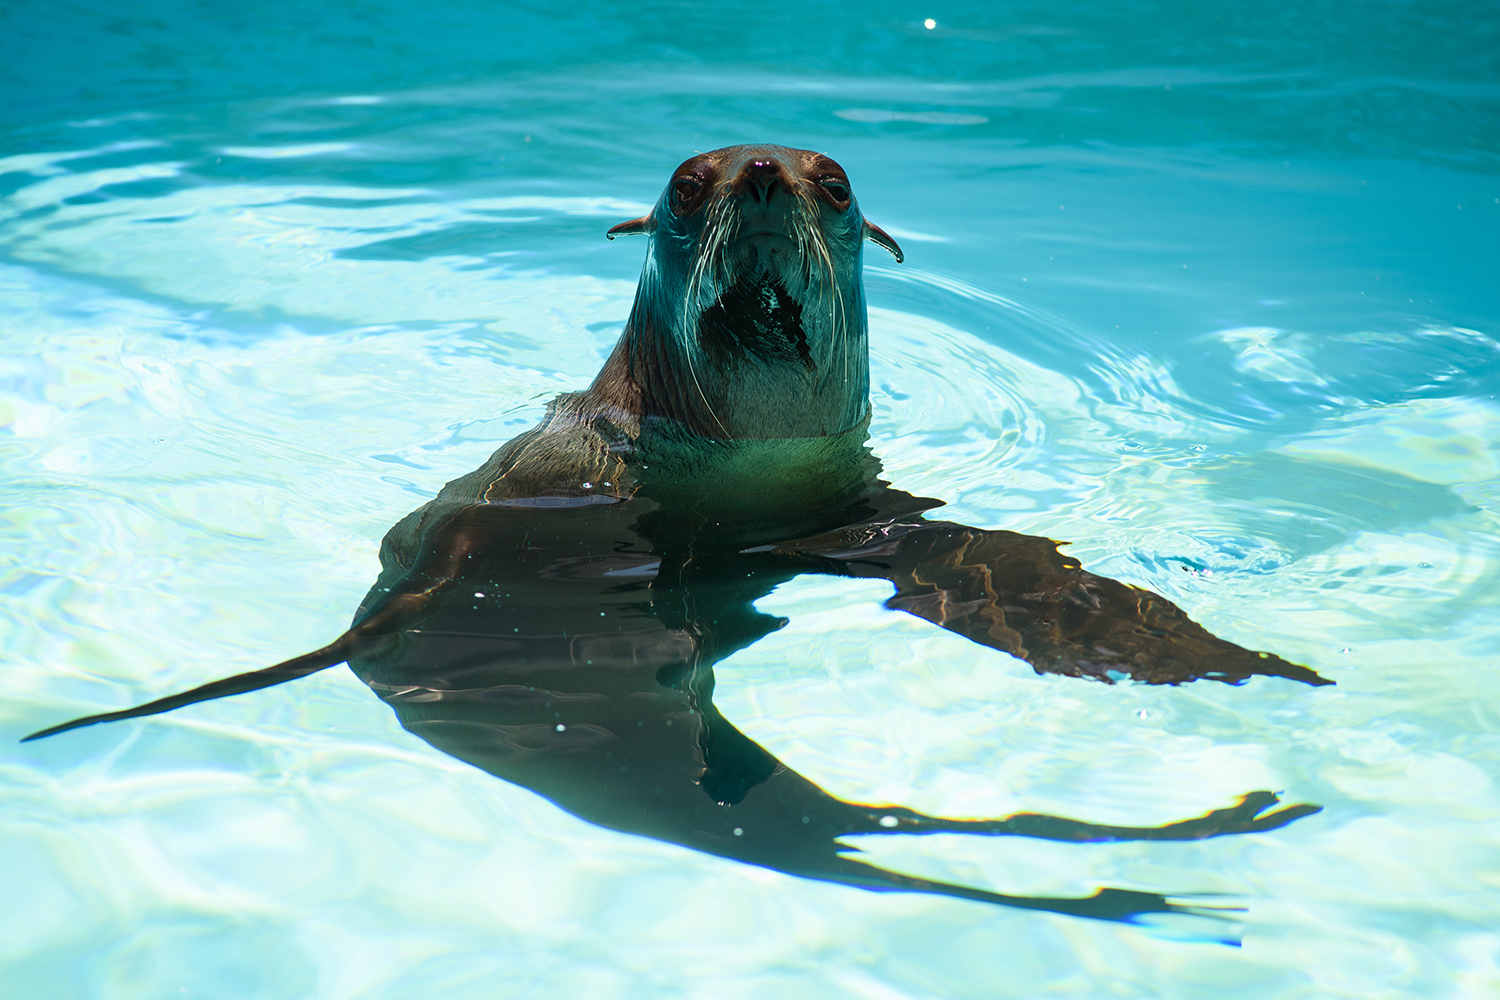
(739, 832)
(929, 24)
(889, 821)
(561, 727)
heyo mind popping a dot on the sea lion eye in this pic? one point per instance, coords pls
(684, 190)
(836, 188)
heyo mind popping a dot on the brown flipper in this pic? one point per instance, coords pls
(1019, 594)
(437, 565)
(299, 666)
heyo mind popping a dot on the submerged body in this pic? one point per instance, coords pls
(554, 616)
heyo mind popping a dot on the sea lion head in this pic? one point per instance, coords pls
(749, 321)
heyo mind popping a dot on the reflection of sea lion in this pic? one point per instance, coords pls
(554, 616)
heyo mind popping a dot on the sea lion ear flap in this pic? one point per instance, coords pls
(880, 237)
(644, 225)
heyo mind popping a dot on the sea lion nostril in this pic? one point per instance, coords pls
(761, 178)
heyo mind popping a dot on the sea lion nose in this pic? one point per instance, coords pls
(761, 179)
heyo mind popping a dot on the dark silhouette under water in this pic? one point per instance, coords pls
(555, 616)
(567, 645)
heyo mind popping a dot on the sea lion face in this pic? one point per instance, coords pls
(754, 280)
(770, 238)
(786, 215)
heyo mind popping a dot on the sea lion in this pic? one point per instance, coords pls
(554, 616)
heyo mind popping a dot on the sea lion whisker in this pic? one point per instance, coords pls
(693, 371)
(708, 265)
(816, 253)
(695, 274)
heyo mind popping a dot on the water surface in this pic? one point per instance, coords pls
(1210, 293)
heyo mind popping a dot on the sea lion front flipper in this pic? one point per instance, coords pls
(1019, 594)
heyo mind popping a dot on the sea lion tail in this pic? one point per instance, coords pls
(298, 666)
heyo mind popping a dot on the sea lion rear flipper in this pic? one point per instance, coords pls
(1126, 906)
(299, 666)
(373, 629)
(395, 610)
(1251, 814)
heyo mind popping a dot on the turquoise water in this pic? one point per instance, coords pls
(1212, 293)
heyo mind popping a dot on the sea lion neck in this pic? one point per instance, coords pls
(749, 320)
(755, 317)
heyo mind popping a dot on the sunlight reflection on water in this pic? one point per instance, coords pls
(241, 342)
